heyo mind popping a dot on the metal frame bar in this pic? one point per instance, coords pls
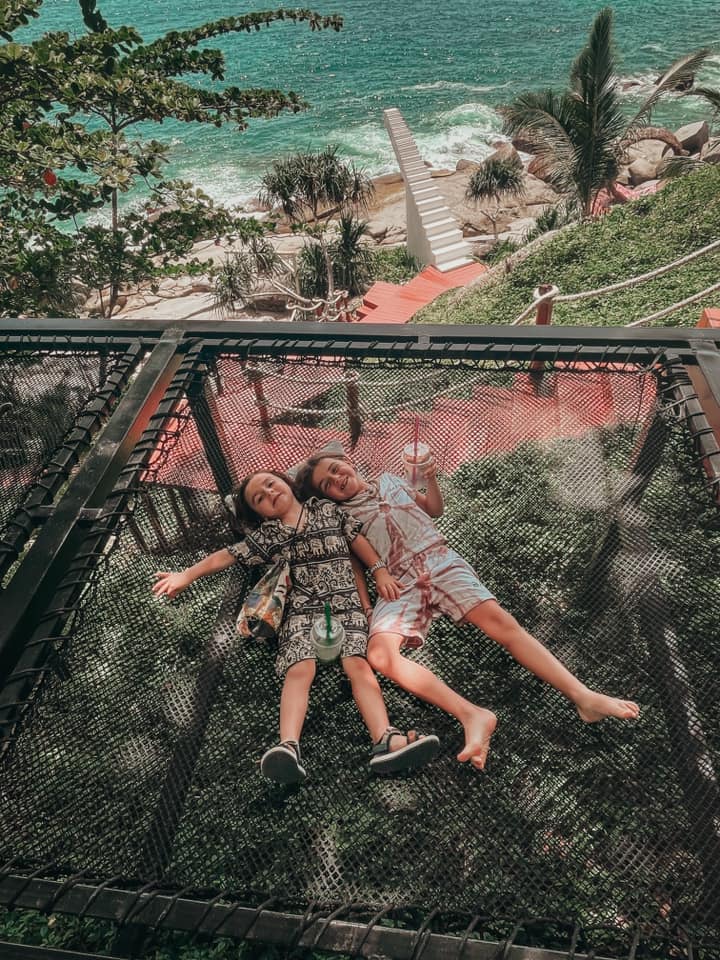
(23, 951)
(46, 562)
(308, 336)
(165, 910)
(45, 488)
(39, 653)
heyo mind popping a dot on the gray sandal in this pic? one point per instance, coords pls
(283, 764)
(416, 753)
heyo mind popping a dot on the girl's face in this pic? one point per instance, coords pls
(336, 479)
(269, 496)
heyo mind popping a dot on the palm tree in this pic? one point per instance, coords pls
(581, 136)
(494, 180)
(315, 182)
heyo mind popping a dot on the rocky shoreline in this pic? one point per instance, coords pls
(185, 297)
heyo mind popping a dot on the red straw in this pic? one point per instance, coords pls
(416, 434)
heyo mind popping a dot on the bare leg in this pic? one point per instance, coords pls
(385, 657)
(294, 699)
(368, 697)
(501, 626)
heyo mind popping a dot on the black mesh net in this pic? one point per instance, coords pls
(576, 497)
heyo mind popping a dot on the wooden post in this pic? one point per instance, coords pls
(543, 317)
(255, 378)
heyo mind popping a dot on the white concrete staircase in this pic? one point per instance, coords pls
(433, 235)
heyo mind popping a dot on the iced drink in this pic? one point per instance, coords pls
(415, 457)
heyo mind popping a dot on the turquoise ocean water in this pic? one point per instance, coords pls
(444, 63)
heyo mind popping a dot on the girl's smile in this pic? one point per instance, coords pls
(337, 479)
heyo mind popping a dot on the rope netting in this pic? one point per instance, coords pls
(578, 500)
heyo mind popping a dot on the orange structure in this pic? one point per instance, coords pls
(395, 303)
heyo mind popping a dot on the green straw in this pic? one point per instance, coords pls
(327, 622)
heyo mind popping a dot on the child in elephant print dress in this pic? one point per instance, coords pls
(316, 539)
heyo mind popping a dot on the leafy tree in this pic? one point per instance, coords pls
(582, 134)
(66, 107)
(493, 181)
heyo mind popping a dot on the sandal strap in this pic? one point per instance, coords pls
(292, 745)
(384, 740)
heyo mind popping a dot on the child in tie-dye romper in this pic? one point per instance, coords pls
(431, 579)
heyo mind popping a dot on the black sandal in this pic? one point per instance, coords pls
(282, 763)
(416, 752)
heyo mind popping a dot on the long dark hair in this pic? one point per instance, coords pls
(244, 515)
(304, 486)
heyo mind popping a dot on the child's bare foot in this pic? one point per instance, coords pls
(478, 730)
(594, 706)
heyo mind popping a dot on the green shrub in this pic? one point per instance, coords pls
(394, 265)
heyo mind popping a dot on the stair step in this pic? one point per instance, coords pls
(431, 203)
(446, 265)
(425, 191)
(451, 250)
(444, 238)
(435, 219)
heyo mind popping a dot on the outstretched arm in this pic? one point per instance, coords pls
(168, 584)
(432, 500)
(387, 586)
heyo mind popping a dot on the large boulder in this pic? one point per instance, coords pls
(693, 136)
(376, 229)
(470, 165)
(642, 170)
(505, 152)
(388, 179)
(623, 176)
(539, 168)
(710, 153)
(654, 151)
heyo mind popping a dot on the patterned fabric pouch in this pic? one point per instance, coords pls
(261, 614)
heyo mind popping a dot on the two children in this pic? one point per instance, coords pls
(316, 538)
(430, 579)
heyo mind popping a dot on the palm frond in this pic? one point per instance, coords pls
(542, 118)
(679, 167)
(678, 74)
(593, 69)
(709, 94)
(494, 179)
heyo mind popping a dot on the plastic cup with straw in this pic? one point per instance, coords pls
(328, 636)
(415, 455)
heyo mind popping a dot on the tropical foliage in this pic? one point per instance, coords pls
(308, 188)
(308, 185)
(581, 135)
(67, 107)
(494, 180)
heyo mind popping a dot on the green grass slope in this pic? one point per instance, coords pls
(631, 240)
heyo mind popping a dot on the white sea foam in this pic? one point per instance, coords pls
(456, 85)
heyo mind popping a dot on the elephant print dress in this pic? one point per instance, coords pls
(321, 571)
